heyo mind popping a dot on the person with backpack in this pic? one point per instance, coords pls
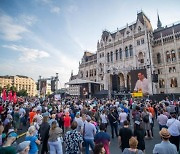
(146, 122)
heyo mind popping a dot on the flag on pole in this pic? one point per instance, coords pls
(10, 95)
(4, 97)
(14, 98)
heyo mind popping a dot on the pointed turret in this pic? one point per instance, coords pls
(159, 24)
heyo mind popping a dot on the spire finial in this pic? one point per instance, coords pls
(159, 24)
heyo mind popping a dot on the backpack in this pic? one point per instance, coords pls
(146, 118)
(137, 116)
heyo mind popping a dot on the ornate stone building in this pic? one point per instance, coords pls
(136, 46)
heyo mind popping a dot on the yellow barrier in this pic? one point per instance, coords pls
(21, 135)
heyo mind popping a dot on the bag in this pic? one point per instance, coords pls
(146, 118)
(137, 116)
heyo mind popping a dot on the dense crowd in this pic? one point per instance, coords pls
(74, 126)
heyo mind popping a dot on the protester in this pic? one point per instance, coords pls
(89, 131)
(146, 116)
(133, 147)
(55, 139)
(73, 140)
(174, 129)
(67, 121)
(44, 134)
(31, 136)
(104, 119)
(7, 148)
(139, 133)
(162, 120)
(99, 149)
(165, 147)
(23, 147)
(125, 134)
(113, 120)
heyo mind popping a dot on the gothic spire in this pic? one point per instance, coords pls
(159, 24)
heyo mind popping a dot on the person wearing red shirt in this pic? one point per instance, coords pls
(31, 115)
(67, 122)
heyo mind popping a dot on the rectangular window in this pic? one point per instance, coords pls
(138, 42)
(142, 41)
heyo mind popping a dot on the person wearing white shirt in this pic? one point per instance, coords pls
(174, 129)
(142, 84)
(104, 118)
(122, 117)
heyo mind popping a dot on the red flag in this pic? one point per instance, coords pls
(10, 95)
(14, 98)
(4, 97)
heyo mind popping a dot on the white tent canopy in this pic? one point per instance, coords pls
(80, 81)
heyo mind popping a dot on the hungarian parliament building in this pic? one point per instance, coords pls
(137, 47)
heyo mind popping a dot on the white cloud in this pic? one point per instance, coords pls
(9, 30)
(55, 9)
(72, 8)
(28, 54)
(28, 20)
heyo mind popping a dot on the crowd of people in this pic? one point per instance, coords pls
(74, 126)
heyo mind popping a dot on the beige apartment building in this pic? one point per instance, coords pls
(133, 47)
(20, 82)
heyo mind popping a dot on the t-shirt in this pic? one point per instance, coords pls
(31, 116)
(33, 144)
(123, 116)
(7, 150)
(103, 138)
(67, 121)
(89, 131)
(127, 151)
(125, 134)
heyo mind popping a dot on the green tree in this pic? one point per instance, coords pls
(1, 89)
(13, 89)
(22, 92)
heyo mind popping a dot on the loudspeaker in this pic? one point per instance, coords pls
(155, 78)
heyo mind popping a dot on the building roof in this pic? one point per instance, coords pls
(165, 31)
(80, 81)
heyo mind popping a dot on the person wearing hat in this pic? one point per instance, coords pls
(165, 147)
(23, 147)
(7, 147)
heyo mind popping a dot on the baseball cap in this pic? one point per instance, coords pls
(23, 145)
(12, 134)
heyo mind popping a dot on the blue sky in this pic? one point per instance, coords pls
(42, 37)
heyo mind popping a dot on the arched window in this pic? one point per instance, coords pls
(158, 58)
(141, 57)
(173, 82)
(120, 53)
(130, 50)
(116, 54)
(126, 52)
(111, 56)
(161, 83)
(168, 56)
(108, 57)
(173, 55)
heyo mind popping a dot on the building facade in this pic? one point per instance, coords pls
(20, 82)
(134, 47)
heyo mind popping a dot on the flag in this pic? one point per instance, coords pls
(4, 97)
(14, 98)
(10, 95)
